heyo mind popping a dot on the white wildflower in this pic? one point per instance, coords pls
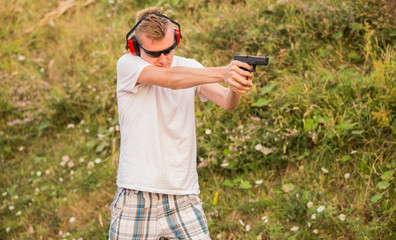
(310, 204)
(65, 158)
(347, 175)
(11, 208)
(258, 182)
(70, 125)
(316, 231)
(38, 173)
(247, 227)
(225, 164)
(72, 219)
(313, 217)
(70, 164)
(208, 131)
(342, 217)
(241, 222)
(21, 57)
(98, 160)
(90, 165)
(258, 147)
(294, 228)
(324, 170)
(321, 208)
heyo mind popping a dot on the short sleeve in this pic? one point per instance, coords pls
(129, 68)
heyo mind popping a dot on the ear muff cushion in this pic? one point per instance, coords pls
(178, 36)
(134, 46)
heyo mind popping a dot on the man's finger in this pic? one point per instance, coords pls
(242, 80)
(243, 65)
(239, 86)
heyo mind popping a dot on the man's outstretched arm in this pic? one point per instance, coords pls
(239, 81)
(186, 77)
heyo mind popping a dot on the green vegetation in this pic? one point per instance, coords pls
(309, 153)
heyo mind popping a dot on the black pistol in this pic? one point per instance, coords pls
(252, 60)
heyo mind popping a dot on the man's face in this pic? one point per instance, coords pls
(158, 45)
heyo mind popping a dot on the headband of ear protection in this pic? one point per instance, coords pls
(133, 45)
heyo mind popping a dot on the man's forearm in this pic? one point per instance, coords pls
(183, 77)
(231, 99)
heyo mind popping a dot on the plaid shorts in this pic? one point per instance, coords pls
(144, 215)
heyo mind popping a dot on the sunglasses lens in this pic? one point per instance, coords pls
(166, 52)
(154, 54)
(157, 54)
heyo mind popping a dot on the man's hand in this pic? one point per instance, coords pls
(239, 80)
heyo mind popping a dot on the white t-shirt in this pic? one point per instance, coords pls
(158, 139)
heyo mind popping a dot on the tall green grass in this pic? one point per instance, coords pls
(308, 154)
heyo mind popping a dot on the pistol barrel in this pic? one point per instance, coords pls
(252, 60)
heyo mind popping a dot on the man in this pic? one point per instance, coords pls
(157, 184)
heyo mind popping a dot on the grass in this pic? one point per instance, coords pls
(308, 154)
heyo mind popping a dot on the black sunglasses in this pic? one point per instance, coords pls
(157, 54)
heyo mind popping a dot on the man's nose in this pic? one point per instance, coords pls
(162, 58)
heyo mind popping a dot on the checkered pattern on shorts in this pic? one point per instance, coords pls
(144, 215)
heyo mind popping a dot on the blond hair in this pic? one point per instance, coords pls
(153, 26)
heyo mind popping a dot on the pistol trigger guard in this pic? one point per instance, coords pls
(253, 69)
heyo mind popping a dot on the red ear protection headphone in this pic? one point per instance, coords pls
(133, 45)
